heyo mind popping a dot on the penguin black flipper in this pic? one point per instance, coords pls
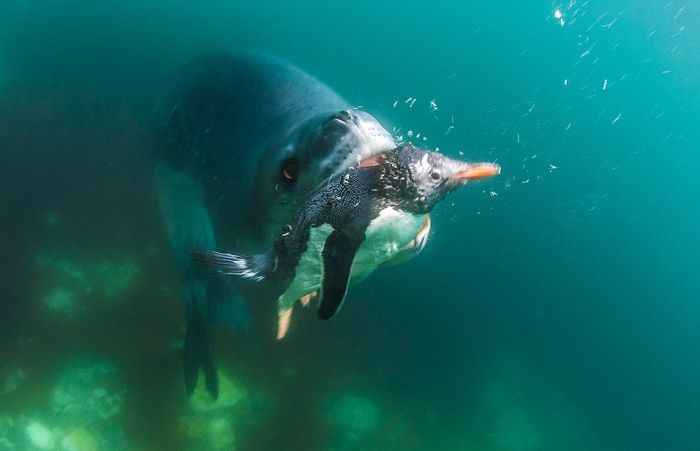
(338, 253)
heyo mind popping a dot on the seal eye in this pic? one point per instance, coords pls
(435, 176)
(289, 170)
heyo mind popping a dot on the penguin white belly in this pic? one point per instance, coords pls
(386, 238)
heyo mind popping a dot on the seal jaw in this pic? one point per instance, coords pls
(364, 138)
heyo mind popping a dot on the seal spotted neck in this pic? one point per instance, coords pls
(407, 179)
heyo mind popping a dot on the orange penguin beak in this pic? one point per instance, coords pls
(475, 171)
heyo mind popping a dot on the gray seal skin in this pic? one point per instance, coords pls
(408, 180)
(244, 139)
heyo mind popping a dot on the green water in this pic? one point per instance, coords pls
(554, 308)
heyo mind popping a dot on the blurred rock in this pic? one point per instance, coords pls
(40, 436)
(230, 394)
(73, 286)
(86, 390)
(62, 301)
(11, 377)
(79, 439)
(355, 417)
(214, 425)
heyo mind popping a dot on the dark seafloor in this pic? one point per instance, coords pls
(555, 308)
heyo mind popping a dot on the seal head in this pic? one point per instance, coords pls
(310, 155)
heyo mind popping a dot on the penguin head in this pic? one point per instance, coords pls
(430, 176)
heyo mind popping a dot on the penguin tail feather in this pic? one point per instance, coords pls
(253, 267)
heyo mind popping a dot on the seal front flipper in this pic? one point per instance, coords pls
(338, 253)
(255, 267)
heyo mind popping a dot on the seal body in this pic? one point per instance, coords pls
(244, 139)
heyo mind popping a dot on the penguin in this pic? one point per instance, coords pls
(337, 231)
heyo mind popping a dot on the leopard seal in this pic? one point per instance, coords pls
(244, 138)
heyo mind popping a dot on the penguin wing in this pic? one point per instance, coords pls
(338, 253)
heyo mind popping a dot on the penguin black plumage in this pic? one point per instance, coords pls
(369, 214)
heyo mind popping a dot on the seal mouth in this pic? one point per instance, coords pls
(342, 117)
(364, 139)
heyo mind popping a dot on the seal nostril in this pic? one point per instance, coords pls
(343, 116)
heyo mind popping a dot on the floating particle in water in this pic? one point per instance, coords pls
(553, 168)
(493, 193)
(433, 105)
(425, 138)
(680, 11)
(609, 24)
(617, 118)
(605, 84)
(518, 138)
(408, 100)
(587, 51)
(449, 129)
(396, 102)
(409, 133)
(559, 16)
(418, 136)
(461, 154)
(410, 105)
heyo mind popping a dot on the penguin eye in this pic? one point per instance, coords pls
(435, 176)
(289, 170)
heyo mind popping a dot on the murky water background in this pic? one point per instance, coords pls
(556, 307)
